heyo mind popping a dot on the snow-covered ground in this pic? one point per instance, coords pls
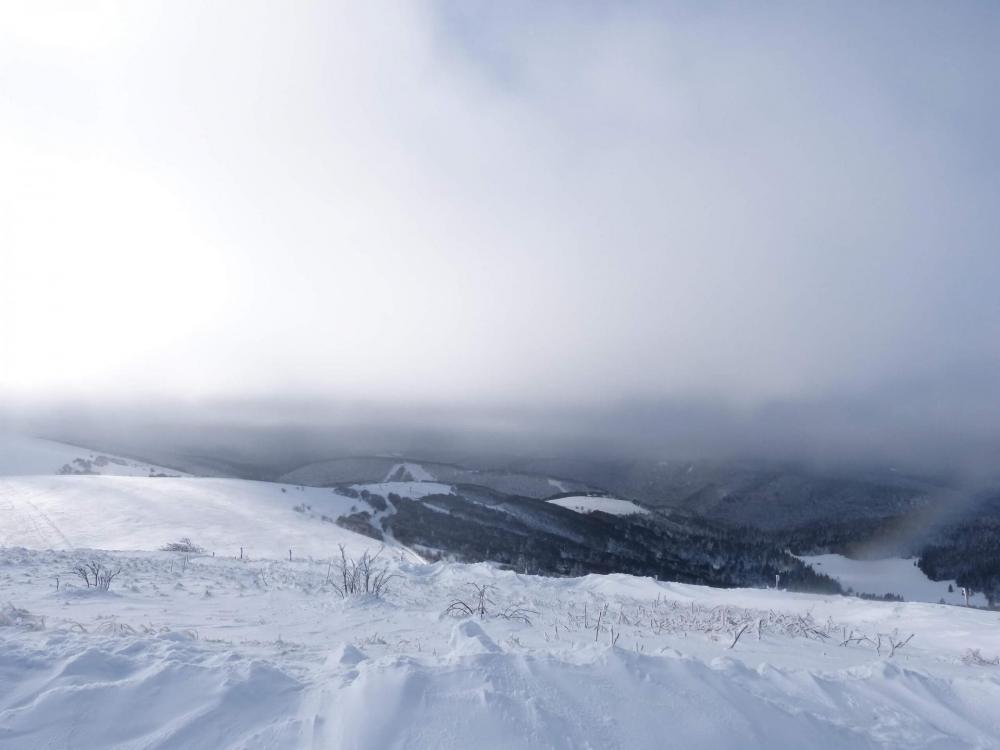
(412, 490)
(20, 454)
(414, 471)
(199, 652)
(894, 575)
(587, 504)
(144, 513)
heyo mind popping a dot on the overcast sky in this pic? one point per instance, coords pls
(504, 203)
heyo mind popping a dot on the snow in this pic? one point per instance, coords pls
(223, 653)
(588, 504)
(416, 472)
(143, 513)
(24, 455)
(217, 653)
(409, 490)
(895, 575)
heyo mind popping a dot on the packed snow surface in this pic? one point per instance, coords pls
(588, 504)
(894, 575)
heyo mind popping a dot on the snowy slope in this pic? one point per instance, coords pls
(142, 513)
(893, 575)
(588, 504)
(197, 652)
(408, 472)
(411, 490)
(22, 455)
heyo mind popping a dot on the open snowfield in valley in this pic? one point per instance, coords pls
(195, 651)
(892, 575)
(588, 504)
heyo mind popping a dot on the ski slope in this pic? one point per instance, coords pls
(416, 490)
(611, 505)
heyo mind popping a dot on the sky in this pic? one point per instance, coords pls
(784, 209)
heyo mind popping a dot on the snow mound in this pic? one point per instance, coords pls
(158, 692)
(22, 455)
(587, 504)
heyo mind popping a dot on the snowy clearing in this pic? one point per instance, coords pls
(588, 504)
(894, 575)
(409, 490)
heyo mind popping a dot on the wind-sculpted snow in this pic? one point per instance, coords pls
(196, 652)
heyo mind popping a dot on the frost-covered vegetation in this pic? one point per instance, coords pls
(229, 653)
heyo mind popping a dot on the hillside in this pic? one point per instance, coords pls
(208, 650)
(23, 455)
(142, 513)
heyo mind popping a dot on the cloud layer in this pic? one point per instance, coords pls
(504, 203)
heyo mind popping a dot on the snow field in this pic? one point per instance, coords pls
(201, 652)
(21, 455)
(588, 504)
(893, 575)
(141, 513)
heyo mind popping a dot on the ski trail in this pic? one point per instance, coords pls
(16, 503)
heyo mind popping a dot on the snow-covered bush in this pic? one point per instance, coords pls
(96, 575)
(184, 544)
(358, 576)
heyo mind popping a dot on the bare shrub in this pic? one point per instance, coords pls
(974, 658)
(96, 575)
(359, 576)
(480, 605)
(477, 605)
(184, 544)
(517, 612)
